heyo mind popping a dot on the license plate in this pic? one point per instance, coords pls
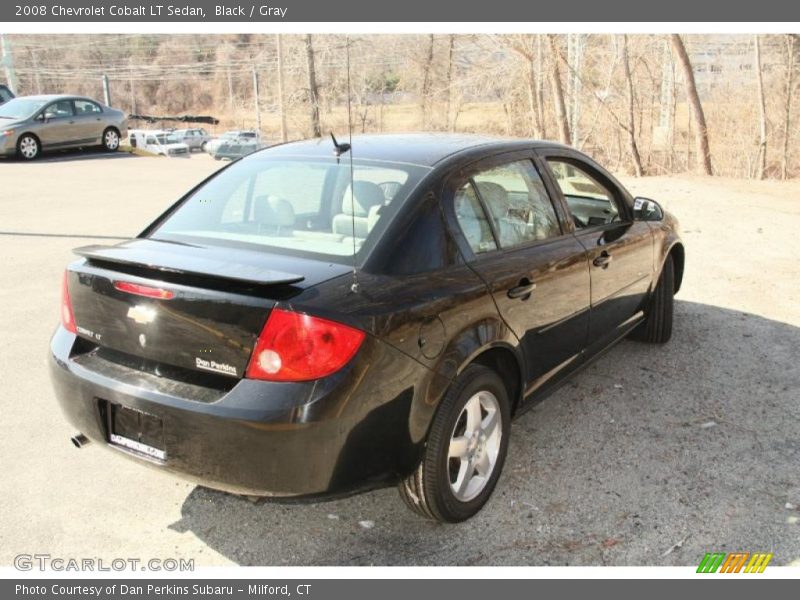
(137, 431)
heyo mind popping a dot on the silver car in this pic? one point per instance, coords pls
(196, 138)
(30, 125)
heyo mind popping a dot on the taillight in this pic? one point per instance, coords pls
(67, 316)
(297, 347)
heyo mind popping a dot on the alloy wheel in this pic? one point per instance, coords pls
(474, 446)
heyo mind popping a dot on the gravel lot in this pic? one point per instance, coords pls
(652, 456)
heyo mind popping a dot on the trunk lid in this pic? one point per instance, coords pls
(157, 305)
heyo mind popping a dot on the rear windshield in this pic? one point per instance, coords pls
(294, 206)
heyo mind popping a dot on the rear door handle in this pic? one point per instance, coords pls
(603, 260)
(523, 290)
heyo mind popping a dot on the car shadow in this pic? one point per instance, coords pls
(70, 155)
(653, 455)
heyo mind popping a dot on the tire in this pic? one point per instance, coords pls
(449, 485)
(111, 140)
(203, 147)
(657, 325)
(28, 147)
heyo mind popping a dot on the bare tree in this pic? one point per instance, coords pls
(558, 92)
(761, 162)
(425, 92)
(313, 89)
(449, 81)
(281, 104)
(631, 128)
(787, 107)
(701, 134)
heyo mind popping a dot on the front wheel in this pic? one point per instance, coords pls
(657, 325)
(465, 451)
(111, 140)
(28, 147)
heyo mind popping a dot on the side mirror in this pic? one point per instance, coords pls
(645, 209)
(41, 117)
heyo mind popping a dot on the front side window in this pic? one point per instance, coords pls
(590, 202)
(62, 108)
(293, 206)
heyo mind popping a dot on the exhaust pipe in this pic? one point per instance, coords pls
(79, 440)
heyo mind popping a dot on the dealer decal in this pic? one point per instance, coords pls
(214, 366)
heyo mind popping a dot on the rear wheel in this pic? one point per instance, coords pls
(465, 451)
(657, 326)
(28, 147)
(111, 139)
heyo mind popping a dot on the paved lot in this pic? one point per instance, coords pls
(653, 456)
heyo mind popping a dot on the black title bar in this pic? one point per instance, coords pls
(333, 11)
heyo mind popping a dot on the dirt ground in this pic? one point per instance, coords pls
(653, 456)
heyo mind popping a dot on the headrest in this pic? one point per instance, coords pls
(492, 192)
(272, 210)
(367, 195)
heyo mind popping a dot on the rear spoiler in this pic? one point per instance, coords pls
(224, 263)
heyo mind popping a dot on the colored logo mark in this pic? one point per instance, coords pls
(734, 562)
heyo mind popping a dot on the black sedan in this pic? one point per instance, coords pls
(313, 321)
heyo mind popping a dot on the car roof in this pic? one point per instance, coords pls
(51, 97)
(424, 149)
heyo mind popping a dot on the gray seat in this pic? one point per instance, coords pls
(361, 212)
(273, 215)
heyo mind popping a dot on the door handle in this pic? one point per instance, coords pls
(523, 290)
(603, 260)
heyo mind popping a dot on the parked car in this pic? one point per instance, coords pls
(234, 144)
(5, 94)
(30, 125)
(297, 325)
(196, 139)
(158, 141)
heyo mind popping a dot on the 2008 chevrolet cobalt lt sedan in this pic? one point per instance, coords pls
(300, 324)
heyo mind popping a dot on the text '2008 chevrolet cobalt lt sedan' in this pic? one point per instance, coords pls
(300, 324)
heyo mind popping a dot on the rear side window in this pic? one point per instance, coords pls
(516, 202)
(84, 107)
(473, 221)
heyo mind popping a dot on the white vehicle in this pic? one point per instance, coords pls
(230, 137)
(163, 143)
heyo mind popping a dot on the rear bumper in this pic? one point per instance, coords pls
(335, 435)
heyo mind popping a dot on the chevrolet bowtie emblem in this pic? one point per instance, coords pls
(142, 314)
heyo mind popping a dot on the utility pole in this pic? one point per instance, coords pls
(132, 89)
(106, 91)
(7, 60)
(575, 60)
(255, 100)
(35, 64)
(281, 106)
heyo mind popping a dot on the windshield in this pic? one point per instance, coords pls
(21, 108)
(165, 138)
(300, 206)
